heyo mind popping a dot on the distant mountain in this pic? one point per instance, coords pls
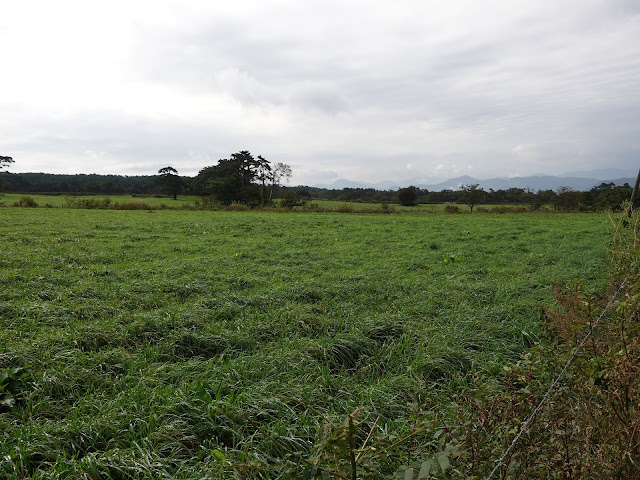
(604, 173)
(533, 182)
(343, 183)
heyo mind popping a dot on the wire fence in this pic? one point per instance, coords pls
(555, 383)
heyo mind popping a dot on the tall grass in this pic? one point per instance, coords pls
(184, 344)
(589, 421)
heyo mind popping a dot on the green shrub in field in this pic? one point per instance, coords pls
(136, 205)
(508, 209)
(237, 207)
(345, 208)
(88, 203)
(450, 208)
(207, 203)
(28, 202)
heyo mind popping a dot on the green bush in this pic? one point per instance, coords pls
(28, 202)
(133, 206)
(450, 208)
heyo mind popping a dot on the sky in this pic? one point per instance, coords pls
(369, 90)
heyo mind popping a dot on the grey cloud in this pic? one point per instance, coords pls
(371, 87)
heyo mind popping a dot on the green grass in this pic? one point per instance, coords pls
(185, 344)
(8, 199)
(55, 201)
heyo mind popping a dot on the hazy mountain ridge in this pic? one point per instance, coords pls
(532, 182)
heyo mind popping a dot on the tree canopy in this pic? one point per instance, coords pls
(170, 181)
(5, 161)
(242, 178)
(472, 195)
(408, 196)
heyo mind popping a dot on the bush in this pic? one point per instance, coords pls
(237, 207)
(345, 208)
(133, 206)
(408, 196)
(291, 199)
(450, 208)
(90, 203)
(26, 202)
(505, 209)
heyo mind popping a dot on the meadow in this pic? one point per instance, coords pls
(191, 344)
(129, 202)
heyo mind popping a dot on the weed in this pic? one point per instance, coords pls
(13, 382)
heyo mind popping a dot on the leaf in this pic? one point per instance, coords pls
(443, 461)
(425, 469)
(308, 472)
(408, 474)
(218, 454)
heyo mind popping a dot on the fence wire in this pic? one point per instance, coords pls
(547, 395)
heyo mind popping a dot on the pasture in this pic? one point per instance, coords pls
(189, 202)
(190, 344)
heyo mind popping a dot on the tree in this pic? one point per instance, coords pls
(5, 161)
(567, 199)
(279, 172)
(170, 181)
(407, 196)
(263, 173)
(291, 198)
(241, 179)
(231, 180)
(472, 195)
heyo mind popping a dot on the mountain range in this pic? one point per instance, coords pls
(581, 180)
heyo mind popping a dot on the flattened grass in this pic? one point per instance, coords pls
(178, 343)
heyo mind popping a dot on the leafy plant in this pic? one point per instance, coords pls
(13, 383)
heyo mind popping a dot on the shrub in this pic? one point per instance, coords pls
(133, 206)
(26, 202)
(345, 208)
(408, 196)
(450, 208)
(207, 203)
(506, 209)
(291, 199)
(237, 207)
(90, 203)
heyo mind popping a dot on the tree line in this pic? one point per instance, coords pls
(601, 197)
(254, 181)
(241, 178)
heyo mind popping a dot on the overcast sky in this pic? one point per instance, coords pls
(366, 90)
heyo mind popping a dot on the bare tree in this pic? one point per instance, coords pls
(280, 171)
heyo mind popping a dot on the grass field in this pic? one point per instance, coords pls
(55, 201)
(184, 201)
(190, 344)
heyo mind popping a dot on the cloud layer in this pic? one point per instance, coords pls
(363, 90)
